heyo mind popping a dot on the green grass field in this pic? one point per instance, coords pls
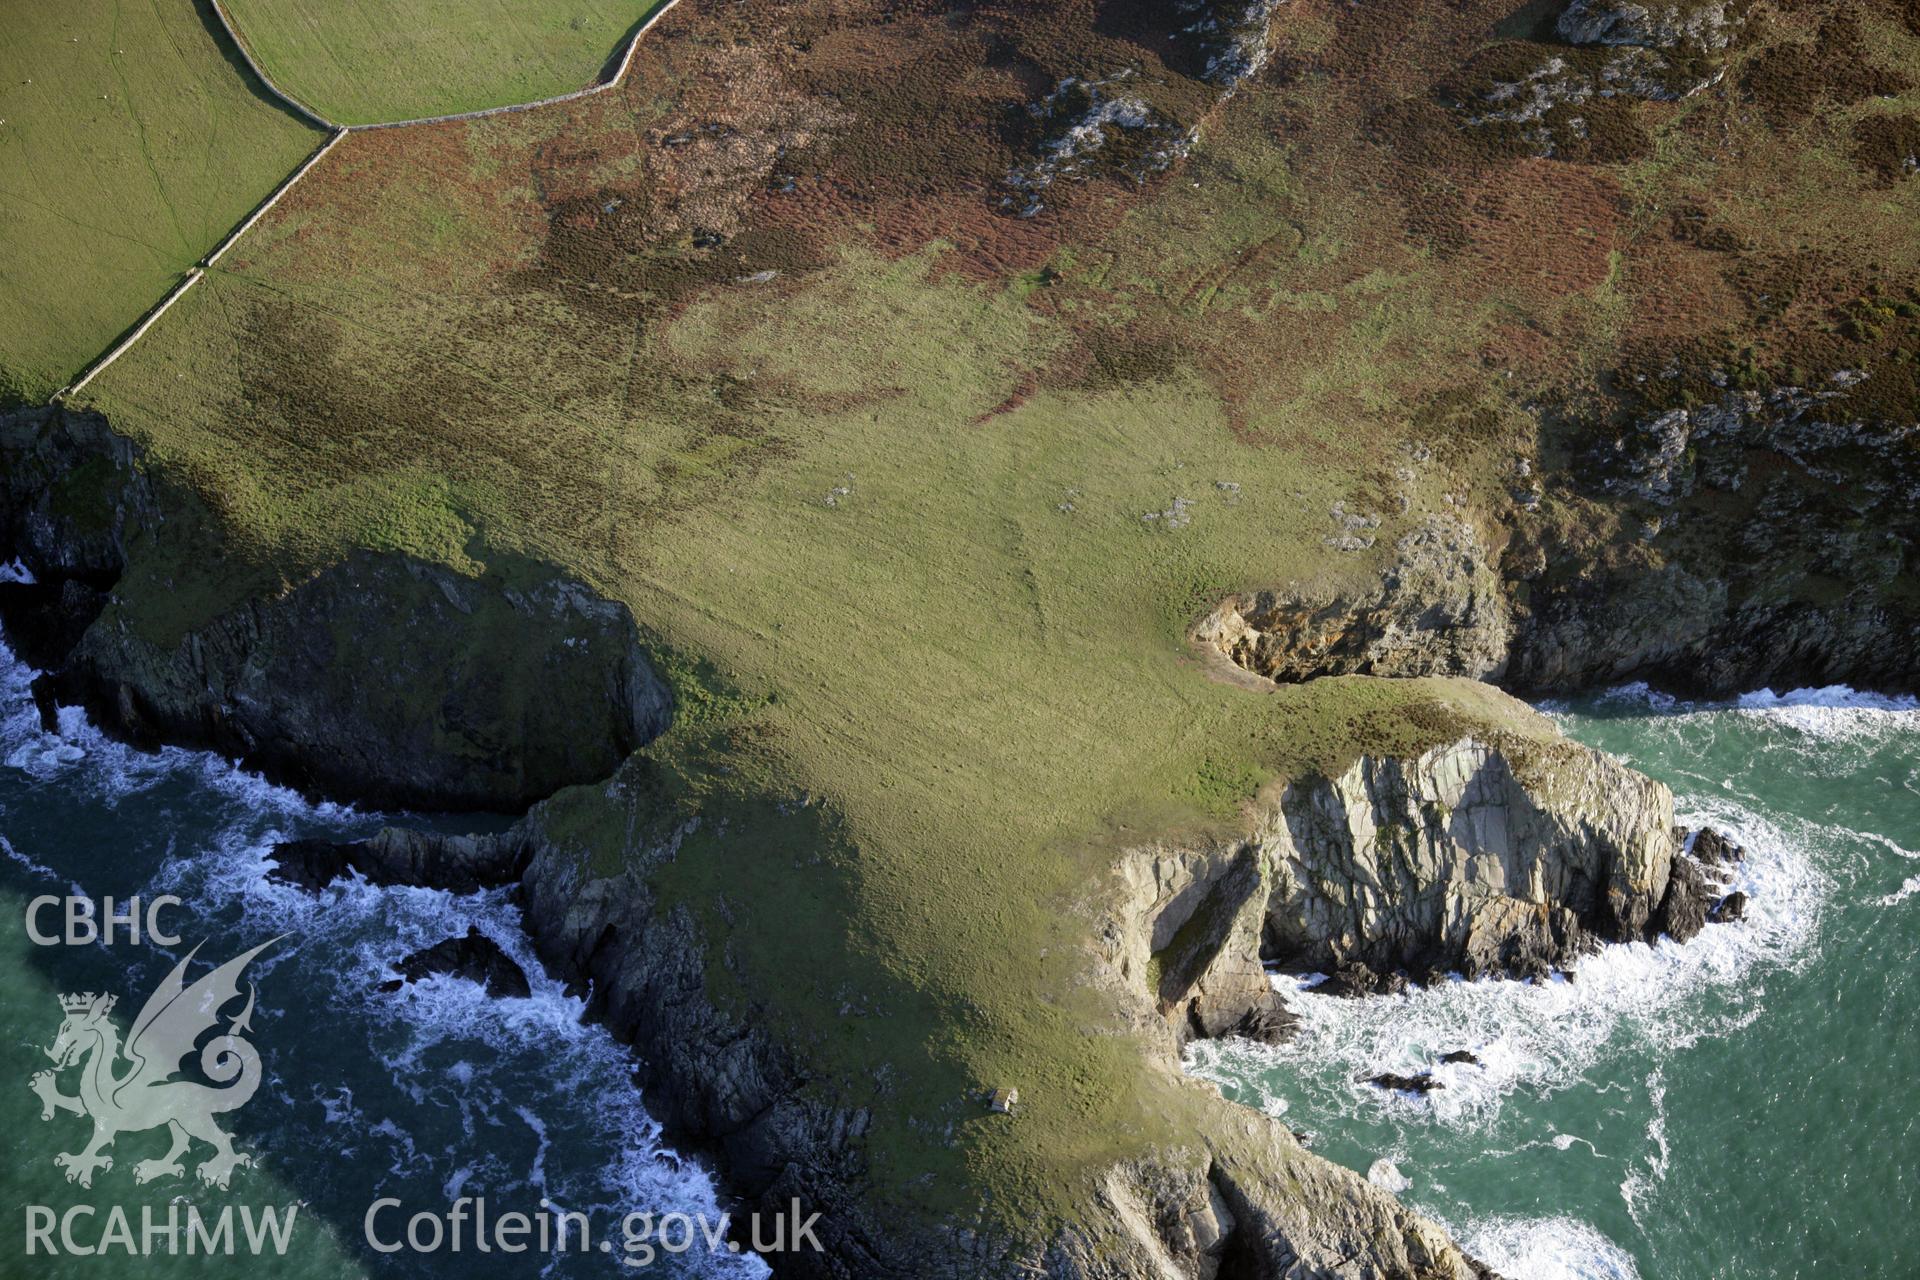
(130, 145)
(366, 61)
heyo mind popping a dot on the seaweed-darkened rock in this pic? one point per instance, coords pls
(1711, 849)
(1683, 911)
(1729, 909)
(475, 958)
(1422, 1083)
(398, 855)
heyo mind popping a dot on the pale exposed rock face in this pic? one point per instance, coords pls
(1451, 861)
(1252, 1205)
(1241, 1201)
(1186, 928)
(1437, 610)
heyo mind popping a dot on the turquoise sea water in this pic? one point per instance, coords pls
(425, 1095)
(1745, 1105)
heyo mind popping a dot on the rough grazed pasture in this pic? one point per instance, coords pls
(366, 61)
(760, 346)
(131, 144)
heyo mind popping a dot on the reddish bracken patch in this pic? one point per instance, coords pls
(1543, 230)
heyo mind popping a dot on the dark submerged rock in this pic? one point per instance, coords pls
(1460, 1055)
(1423, 1083)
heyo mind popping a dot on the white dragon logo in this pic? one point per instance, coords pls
(147, 1096)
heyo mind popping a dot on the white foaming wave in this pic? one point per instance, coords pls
(362, 929)
(1538, 1035)
(1555, 1248)
(1900, 895)
(1831, 713)
(1834, 696)
(1640, 693)
(1835, 713)
(1386, 1175)
(585, 1072)
(80, 755)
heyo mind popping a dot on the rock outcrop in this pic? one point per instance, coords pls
(1774, 548)
(1456, 860)
(1243, 1201)
(1485, 860)
(401, 855)
(378, 677)
(1186, 927)
(476, 958)
(1672, 24)
(1437, 609)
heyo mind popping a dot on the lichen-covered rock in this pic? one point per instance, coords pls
(1186, 925)
(1661, 24)
(1438, 609)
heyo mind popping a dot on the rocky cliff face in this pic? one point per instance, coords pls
(1743, 538)
(1185, 928)
(1762, 537)
(1245, 1202)
(305, 680)
(377, 678)
(1453, 860)
(1437, 609)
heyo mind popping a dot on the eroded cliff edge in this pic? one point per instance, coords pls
(1508, 855)
(376, 677)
